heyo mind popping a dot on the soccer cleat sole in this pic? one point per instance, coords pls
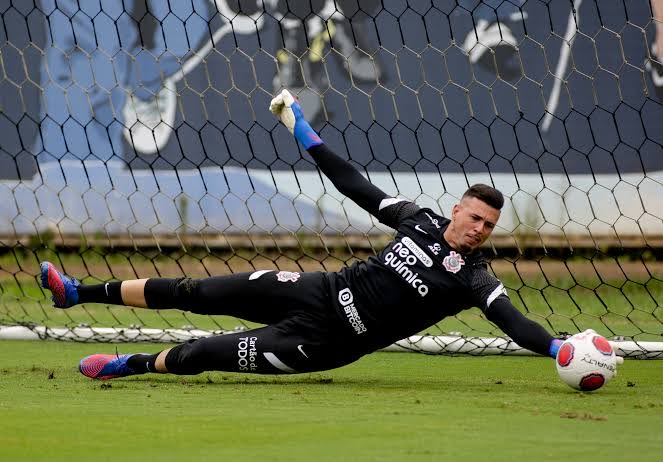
(91, 366)
(53, 282)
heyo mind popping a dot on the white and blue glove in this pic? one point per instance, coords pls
(554, 347)
(285, 107)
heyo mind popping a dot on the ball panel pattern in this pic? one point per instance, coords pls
(602, 344)
(565, 354)
(592, 382)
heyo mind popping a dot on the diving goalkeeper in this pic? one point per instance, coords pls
(315, 320)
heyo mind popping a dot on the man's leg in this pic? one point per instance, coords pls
(277, 349)
(264, 297)
(105, 366)
(132, 293)
(68, 292)
(296, 304)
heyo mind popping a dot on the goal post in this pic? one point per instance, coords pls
(136, 142)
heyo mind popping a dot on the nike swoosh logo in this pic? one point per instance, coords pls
(257, 274)
(301, 350)
(106, 289)
(418, 228)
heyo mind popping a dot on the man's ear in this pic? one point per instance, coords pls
(455, 210)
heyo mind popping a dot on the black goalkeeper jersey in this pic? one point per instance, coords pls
(414, 282)
(418, 279)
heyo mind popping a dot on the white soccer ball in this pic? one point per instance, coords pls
(586, 361)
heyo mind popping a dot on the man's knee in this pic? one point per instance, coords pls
(170, 293)
(184, 359)
(216, 353)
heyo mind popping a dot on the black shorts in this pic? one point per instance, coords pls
(304, 332)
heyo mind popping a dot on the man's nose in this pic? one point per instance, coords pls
(480, 228)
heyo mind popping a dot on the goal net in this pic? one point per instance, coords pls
(136, 142)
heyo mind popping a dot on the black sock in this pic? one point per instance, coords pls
(142, 363)
(101, 293)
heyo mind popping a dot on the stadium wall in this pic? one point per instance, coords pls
(136, 118)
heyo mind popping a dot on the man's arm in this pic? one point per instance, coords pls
(525, 332)
(347, 179)
(340, 172)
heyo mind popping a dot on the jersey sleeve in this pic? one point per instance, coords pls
(347, 179)
(493, 300)
(486, 288)
(352, 184)
(525, 332)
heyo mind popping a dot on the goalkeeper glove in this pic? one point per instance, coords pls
(554, 347)
(287, 108)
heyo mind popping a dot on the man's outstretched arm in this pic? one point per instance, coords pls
(525, 332)
(347, 179)
(340, 172)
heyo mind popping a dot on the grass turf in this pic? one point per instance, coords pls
(387, 406)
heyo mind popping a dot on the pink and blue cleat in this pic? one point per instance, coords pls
(63, 288)
(104, 367)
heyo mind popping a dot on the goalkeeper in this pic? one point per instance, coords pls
(317, 321)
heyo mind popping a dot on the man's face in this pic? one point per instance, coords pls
(473, 221)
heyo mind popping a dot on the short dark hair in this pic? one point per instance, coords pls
(487, 194)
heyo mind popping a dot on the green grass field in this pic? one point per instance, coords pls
(387, 406)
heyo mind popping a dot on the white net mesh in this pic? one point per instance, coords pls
(137, 142)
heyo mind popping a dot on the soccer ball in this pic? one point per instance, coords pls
(586, 361)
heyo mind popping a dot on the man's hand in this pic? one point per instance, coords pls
(285, 107)
(281, 107)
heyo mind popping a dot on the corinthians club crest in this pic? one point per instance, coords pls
(287, 276)
(453, 262)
